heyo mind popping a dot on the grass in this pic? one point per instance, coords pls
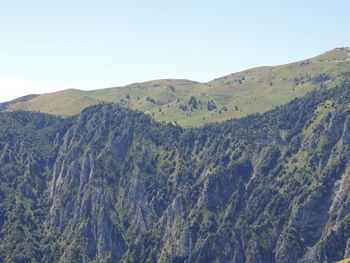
(66, 102)
(235, 95)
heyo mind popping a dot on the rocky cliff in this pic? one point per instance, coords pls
(111, 185)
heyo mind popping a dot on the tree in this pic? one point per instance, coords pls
(211, 106)
(193, 102)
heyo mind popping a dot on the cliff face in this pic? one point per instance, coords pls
(111, 185)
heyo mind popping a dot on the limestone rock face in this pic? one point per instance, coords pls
(111, 185)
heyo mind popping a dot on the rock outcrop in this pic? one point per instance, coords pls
(111, 185)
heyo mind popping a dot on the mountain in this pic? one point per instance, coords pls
(192, 103)
(112, 185)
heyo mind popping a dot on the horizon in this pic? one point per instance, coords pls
(112, 44)
(18, 83)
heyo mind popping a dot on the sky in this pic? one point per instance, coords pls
(47, 46)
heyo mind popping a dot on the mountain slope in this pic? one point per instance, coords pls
(142, 96)
(194, 104)
(112, 185)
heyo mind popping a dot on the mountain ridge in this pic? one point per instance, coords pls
(191, 103)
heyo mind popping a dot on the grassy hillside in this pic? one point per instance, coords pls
(142, 96)
(345, 261)
(192, 103)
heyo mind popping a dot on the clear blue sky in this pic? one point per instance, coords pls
(54, 45)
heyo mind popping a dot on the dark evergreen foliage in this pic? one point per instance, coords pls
(229, 191)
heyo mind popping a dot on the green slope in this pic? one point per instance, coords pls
(236, 95)
(142, 96)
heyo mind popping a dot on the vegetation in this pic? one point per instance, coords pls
(251, 91)
(111, 184)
